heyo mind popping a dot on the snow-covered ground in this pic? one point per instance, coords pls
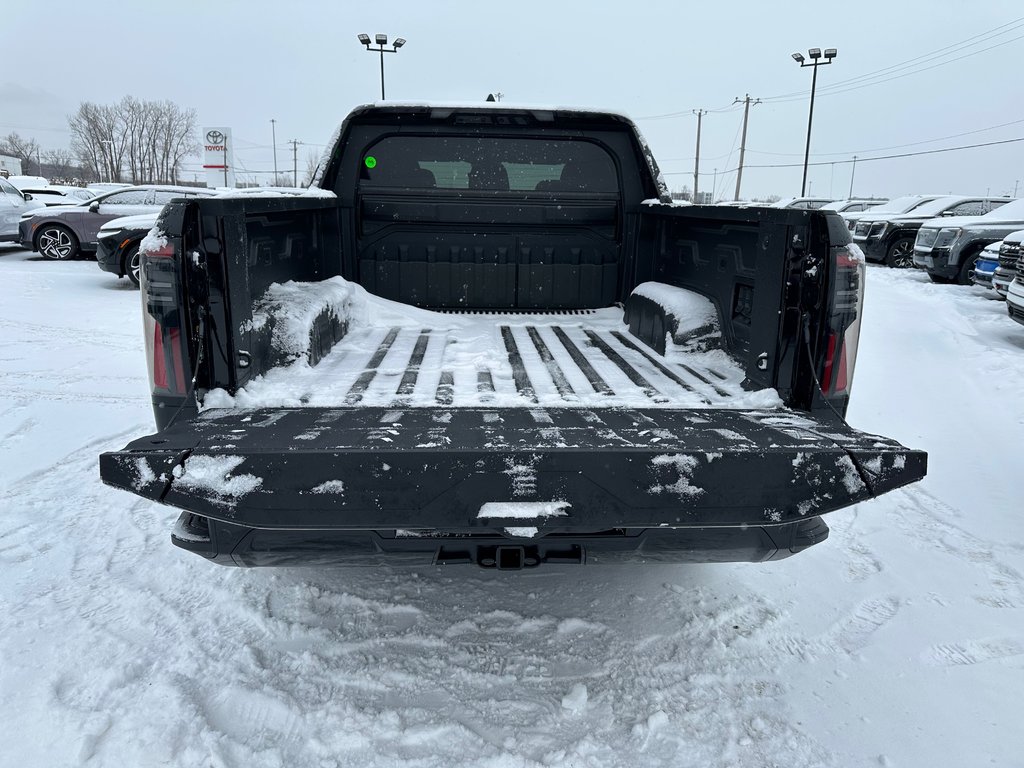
(898, 642)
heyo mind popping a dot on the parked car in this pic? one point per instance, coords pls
(117, 249)
(13, 203)
(948, 247)
(895, 206)
(1009, 253)
(986, 265)
(889, 238)
(28, 181)
(1015, 294)
(803, 203)
(117, 244)
(56, 194)
(64, 232)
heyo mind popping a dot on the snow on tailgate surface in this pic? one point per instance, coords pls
(897, 642)
(397, 355)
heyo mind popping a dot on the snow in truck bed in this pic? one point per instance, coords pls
(398, 355)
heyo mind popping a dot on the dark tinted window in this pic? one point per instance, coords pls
(488, 163)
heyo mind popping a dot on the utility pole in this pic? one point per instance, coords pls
(852, 173)
(295, 161)
(1015, 185)
(273, 133)
(696, 160)
(743, 142)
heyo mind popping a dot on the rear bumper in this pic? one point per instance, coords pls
(228, 544)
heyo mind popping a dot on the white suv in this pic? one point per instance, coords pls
(13, 203)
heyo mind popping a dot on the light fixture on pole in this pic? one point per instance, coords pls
(381, 41)
(815, 56)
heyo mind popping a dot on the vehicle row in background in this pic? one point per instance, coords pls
(63, 232)
(888, 237)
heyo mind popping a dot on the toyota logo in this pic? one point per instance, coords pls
(215, 137)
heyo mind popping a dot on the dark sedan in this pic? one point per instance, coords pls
(118, 243)
(64, 232)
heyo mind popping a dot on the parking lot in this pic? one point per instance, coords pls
(897, 642)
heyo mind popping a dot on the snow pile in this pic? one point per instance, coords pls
(692, 318)
(523, 510)
(295, 307)
(153, 241)
(683, 466)
(214, 474)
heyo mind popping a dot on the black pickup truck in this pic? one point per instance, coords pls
(487, 337)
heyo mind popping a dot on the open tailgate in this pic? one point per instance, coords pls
(483, 469)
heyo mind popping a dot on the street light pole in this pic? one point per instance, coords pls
(815, 61)
(853, 173)
(381, 41)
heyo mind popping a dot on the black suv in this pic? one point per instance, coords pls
(890, 238)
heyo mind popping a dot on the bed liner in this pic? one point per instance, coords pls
(581, 358)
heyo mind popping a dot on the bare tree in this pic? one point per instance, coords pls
(61, 161)
(312, 164)
(26, 150)
(140, 141)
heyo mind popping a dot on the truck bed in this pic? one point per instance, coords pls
(581, 358)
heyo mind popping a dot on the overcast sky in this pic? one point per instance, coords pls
(241, 63)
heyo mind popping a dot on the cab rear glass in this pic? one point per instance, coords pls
(488, 163)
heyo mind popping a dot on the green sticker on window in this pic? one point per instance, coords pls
(371, 162)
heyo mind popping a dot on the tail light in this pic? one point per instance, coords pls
(165, 340)
(844, 321)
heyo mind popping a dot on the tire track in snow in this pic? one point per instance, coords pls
(927, 521)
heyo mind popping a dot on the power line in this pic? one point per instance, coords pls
(685, 112)
(908, 67)
(872, 159)
(895, 146)
(938, 53)
(834, 89)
